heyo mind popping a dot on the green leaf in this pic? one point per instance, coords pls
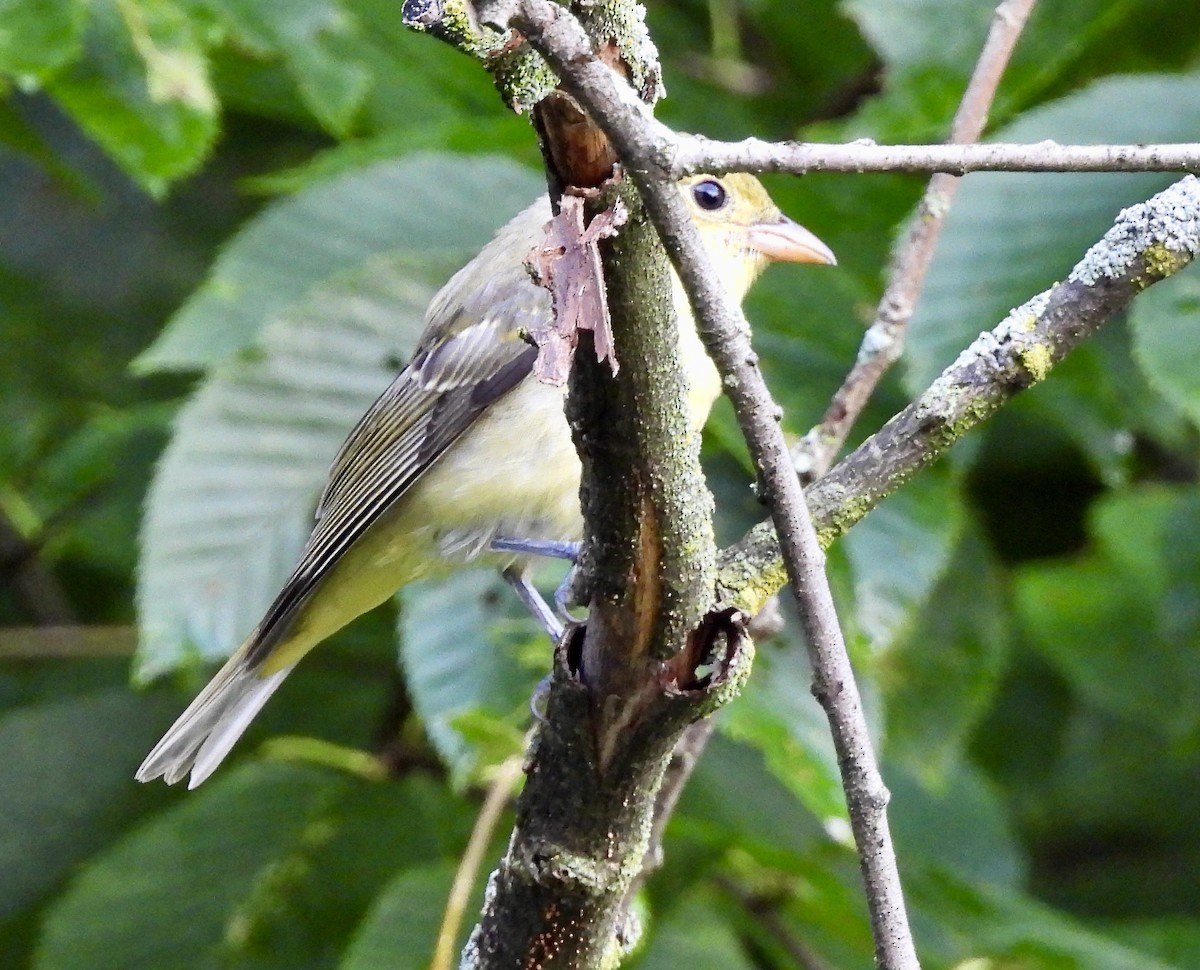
(232, 500)
(320, 43)
(1165, 322)
(1123, 640)
(778, 715)
(941, 677)
(434, 210)
(142, 90)
(38, 38)
(898, 553)
(1173, 939)
(957, 922)
(165, 895)
(400, 930)
(308, 905)
(909, 33)
(696, 934)
(472, 660)
(930, 49)
(270, 866)
(65, 780)
(1011, 235)
(733, 793)
(95, 478)
(961, 824)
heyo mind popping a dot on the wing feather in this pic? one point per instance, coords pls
(407, 432)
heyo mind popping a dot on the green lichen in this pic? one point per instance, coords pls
(749, 585)
(1162, 262)
(623, 24)
(977, 410)
(1036, 360)
(522, 77)
(849, 514)
(456, 27)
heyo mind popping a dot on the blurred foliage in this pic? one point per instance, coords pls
(255, 200)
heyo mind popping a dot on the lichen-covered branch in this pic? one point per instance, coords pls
(654, 657)
(1148, 243)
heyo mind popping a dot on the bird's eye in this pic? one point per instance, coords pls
(709, 194)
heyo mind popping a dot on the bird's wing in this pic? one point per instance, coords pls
(457, 372)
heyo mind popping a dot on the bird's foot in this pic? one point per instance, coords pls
(550, 549)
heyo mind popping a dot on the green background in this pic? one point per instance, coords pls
(220, 221)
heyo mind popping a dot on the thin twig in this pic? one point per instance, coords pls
(884, 340)
(508, 773)
(66, 642)
(564, 44)
(688, 154)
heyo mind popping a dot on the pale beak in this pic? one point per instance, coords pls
(789, 242)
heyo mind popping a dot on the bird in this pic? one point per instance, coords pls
(464, 447)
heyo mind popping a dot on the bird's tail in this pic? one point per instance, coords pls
(202, 736)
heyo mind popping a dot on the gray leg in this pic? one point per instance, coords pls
(548, 548)
(516, 578)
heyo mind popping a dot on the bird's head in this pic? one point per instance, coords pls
(744, 230)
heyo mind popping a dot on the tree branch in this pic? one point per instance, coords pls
(693, 153)
(723, 328)
(554, 889)
(652, 658)
(884, 340)
(1147, 243)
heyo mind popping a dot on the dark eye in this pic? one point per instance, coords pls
(709, 194)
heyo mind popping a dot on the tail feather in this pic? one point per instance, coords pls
(203, 735)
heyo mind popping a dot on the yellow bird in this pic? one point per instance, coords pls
(464, 447)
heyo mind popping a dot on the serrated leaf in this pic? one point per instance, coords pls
(427, 205)
(37, 38)
(1011, 235)
(142, 90)
(1165, 322)
(233, 496)
(232, 499)
(464, 640)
